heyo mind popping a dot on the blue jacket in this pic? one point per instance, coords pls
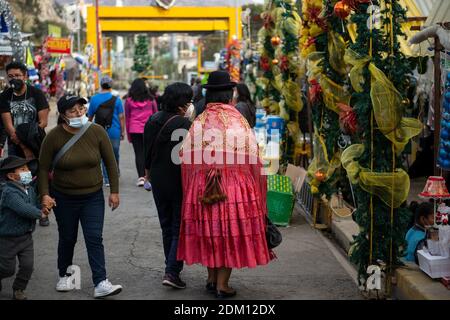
(18, 210)
(414, 236)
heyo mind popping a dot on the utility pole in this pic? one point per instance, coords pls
(97, 27)
(78, 23)
(236, 2)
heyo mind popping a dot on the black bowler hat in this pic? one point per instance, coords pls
(66, 102)
(219, 80)
(12, 162)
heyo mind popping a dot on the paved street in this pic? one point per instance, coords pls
(306, 268)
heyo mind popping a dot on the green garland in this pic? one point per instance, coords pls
(396, 67)
(326, 121)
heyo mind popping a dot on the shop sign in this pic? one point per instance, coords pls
(58, 45)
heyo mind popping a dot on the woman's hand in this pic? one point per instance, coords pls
(114, 200)
(48, 202)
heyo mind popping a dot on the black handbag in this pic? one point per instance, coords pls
(273, 235)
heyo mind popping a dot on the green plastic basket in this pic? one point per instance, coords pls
(280, 199)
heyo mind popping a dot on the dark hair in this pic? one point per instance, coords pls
(423, 209)
(218, 96)
(154, 89)
(139, 91)
(17, 65)
(243, 93)
(176, 95)
(106, 86)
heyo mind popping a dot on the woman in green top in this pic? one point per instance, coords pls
(76, 187)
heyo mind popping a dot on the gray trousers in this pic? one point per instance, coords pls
(22, 249)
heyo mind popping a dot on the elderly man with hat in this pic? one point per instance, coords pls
(73, 151)
(106, 103)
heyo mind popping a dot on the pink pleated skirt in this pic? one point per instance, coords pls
(227, 234)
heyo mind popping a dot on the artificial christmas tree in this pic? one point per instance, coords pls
(141, 57)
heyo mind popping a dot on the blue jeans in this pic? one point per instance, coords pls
(116, 148)
(89, 209)
(169, 213)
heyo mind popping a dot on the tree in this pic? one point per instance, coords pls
(141, 57)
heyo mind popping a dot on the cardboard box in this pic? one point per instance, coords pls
(434, 266)
(297, 175)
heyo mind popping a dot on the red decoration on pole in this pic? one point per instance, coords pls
(276, 40)
(347, 119)
(342, 9)
(314, 91)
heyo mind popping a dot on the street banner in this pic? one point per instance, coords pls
(58, 45)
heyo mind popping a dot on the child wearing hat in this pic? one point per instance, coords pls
(19, 210)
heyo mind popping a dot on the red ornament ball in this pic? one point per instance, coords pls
(341, 9)
(275, 40)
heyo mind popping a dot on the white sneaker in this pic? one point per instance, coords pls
(140, 182)
(105, 288)
(64, 284)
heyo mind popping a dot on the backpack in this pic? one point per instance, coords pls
(105, 112)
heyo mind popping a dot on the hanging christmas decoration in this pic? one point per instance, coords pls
(341, 9)
(275, 40)
(347, 119)
(313, 25)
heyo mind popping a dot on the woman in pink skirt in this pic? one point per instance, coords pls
(224, 210)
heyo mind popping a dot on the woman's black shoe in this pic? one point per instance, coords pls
(211, 287)
(224, 294)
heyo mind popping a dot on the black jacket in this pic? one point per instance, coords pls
(164, 174)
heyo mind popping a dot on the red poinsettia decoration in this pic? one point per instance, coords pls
(347, 119)
(354, 4)
(284, 65)
(310, 41)
(264, 62)
(314, 16)
(314, 91)
(267, 20)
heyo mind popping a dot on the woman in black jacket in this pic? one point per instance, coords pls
(164, 173)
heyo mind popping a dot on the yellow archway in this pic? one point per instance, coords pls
(176, 19)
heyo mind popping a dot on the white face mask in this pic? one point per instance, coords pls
(78, 122)
(26, 177)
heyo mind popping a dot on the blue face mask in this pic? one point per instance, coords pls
(25, 177)
(78, 122)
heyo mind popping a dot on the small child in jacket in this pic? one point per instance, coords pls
(19, 209)
(423, 218)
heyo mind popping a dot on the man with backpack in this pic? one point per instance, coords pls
(106, 110)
